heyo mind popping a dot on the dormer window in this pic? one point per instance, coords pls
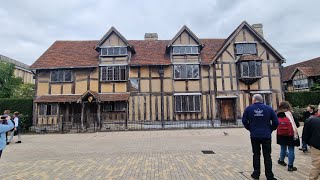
(183, 50)
(114, 51)
(246, 48)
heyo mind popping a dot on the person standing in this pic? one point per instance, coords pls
(261, 121)
(287, 135)
(5, 126)
(311, 135)
(309, 112)
(6, 113)
(17, 128)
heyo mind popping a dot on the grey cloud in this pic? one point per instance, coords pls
(29, 27)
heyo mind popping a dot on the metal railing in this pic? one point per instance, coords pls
(118, 122)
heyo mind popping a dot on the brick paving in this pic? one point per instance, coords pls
(171, 154)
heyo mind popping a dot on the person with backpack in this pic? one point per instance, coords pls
(17, 128)
(261, 120)
(287, 135)
(311, 135)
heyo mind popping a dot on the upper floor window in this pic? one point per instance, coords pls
(246, 48)
(48, 109)
(186, 71)
(113, 73)
(300, 83)
(114, 51)
(61, 76)
(187, 103)
(180, 50)
(250, 69)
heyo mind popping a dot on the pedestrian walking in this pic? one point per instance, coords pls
(17, 128)
(311, 135)
(261, 120)
(6, 113)
(310, 111)
(287, 135)
(5, 126)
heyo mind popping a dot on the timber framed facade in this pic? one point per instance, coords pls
(182, 79)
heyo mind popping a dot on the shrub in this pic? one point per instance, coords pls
(23, 106)
(303, 99)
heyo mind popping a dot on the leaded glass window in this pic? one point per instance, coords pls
(187, 103)
(113, 73)
(186, 71)
(246, 48)
(114, 51)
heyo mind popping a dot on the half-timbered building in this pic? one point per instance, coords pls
(151, 80)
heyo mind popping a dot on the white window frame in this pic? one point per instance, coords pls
(188, 95)
(104, 69)
(113, 47)
(186, 69)
(185, 46)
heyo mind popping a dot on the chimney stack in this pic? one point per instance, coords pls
(258, 28)
(150, 36)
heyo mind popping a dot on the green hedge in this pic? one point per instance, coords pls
(23, 106)
(303, 99)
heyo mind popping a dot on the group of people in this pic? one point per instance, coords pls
(261, 120)
(7, 124)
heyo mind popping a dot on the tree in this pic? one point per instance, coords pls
(25, 90)
(8, 83)
(316, 85)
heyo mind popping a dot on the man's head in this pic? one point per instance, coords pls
(310, 108)
(257, 98)
(6, 112)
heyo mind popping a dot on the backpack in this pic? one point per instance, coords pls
(285, 127)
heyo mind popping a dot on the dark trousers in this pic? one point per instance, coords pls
(0, 153)
(266, 150)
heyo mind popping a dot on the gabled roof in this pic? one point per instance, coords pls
(89, 93)
(256, 34)
(68, 54)
(106, 36)
(184, 28)
(309, 68)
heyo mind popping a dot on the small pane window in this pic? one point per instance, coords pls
(187, 103)
(61, 76)
(246, 48)
(54, 76)
(185, 50)
(134, 84)
(113, 73)
(68, 76)
(186, 71)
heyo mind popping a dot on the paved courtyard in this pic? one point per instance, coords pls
(171, 154)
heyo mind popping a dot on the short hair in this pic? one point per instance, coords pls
(312, 107)
(16, 113)
(258, 97)
(319, 107)
(284, 106)
(6, 112)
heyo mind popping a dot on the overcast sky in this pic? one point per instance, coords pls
(29, 27)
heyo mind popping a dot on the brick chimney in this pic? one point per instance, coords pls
(150, 36)
(258, 28)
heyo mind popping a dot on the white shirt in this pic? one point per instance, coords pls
(16, 121)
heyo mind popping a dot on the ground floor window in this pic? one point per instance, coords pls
(48, 109)
(187, 103)
(115, 106)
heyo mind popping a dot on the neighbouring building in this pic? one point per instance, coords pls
(184, 78)
(301, 76)
(21, 70)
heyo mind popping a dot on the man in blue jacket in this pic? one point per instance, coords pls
(260, 120)
(5, 126)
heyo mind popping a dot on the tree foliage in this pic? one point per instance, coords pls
(316, 85)
(8, 83)
(25, 90)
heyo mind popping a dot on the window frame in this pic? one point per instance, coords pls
(113, 105)
(297, 83)
(44, 108)
(63, 74)
(238, 43)
(107, 48)
(186, 73)
(258, 71)
(185, 107)
(104, 70)
(185, 52)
